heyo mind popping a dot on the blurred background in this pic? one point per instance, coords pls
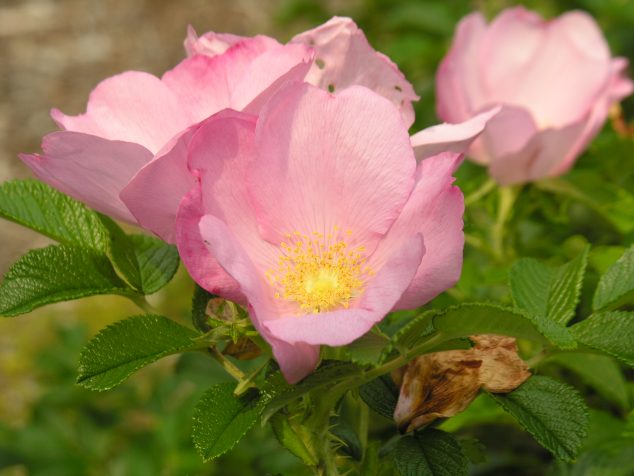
(52, 54)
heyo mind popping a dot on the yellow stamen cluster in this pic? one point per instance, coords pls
(319, 273)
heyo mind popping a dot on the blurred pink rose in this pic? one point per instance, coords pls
(317, 215)
(555, 79)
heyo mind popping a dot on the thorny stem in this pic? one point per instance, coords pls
(320, 419)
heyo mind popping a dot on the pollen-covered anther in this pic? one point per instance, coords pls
(319, 272)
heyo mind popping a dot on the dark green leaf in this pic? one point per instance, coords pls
(329, 373)
(147, 263)
(367, 349)
(475, 318)
(430, 453)
(126, 346)
(545, 291)
(599, 371)
(611, 458)
(381, 395)
(57, 273)
(200, 300)
(222, 419)
(157, 262)
(551, 411)
(616, 286)
(344, 432)
(611, 332)
(37, 206)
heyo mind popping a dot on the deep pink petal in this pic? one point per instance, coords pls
(295, 360)
(201, 264)
(458, 88)
(379, 297)
(345, 58)
(330, 161)
(155, 192)
(450, 137)
(89, 168)
(133, 107)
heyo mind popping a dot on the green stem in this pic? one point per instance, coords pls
(364, 415)
(482, 191)
(143, 304)
(506, 198)
(226, 364)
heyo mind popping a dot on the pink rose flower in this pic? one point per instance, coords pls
(555, 79)
(317, 216)
(135, 116)
(343, 57)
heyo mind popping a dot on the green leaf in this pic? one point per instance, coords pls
(553, 412)
(611, 458)
(126, 346)
(329, 373)
(610, 332)
(476, 318)
(616, 286)
(430, 453)
(157, 262)
(598, 371)
(200, 299)
(614, 203)
(57, 273)
(288, 435)
(147, 263)
(37, 206)
(222, 419)
(545, 291)
(367, 349)
(381, 395)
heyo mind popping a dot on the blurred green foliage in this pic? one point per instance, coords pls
(144, 426)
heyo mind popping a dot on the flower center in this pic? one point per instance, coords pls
(319, 273)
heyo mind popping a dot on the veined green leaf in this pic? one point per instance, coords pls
(553, 412)
(381, 395)
(221, 419)
(611, 332)
(598, 371)
(616, 286)
(430, 453)
(147, 263)
(57, 273)
(37, 206)
(126, 346)
(545, 291)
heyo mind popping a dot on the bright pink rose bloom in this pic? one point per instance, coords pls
(135, 116)
(343, 58)
(556, 80)
(317, 216)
